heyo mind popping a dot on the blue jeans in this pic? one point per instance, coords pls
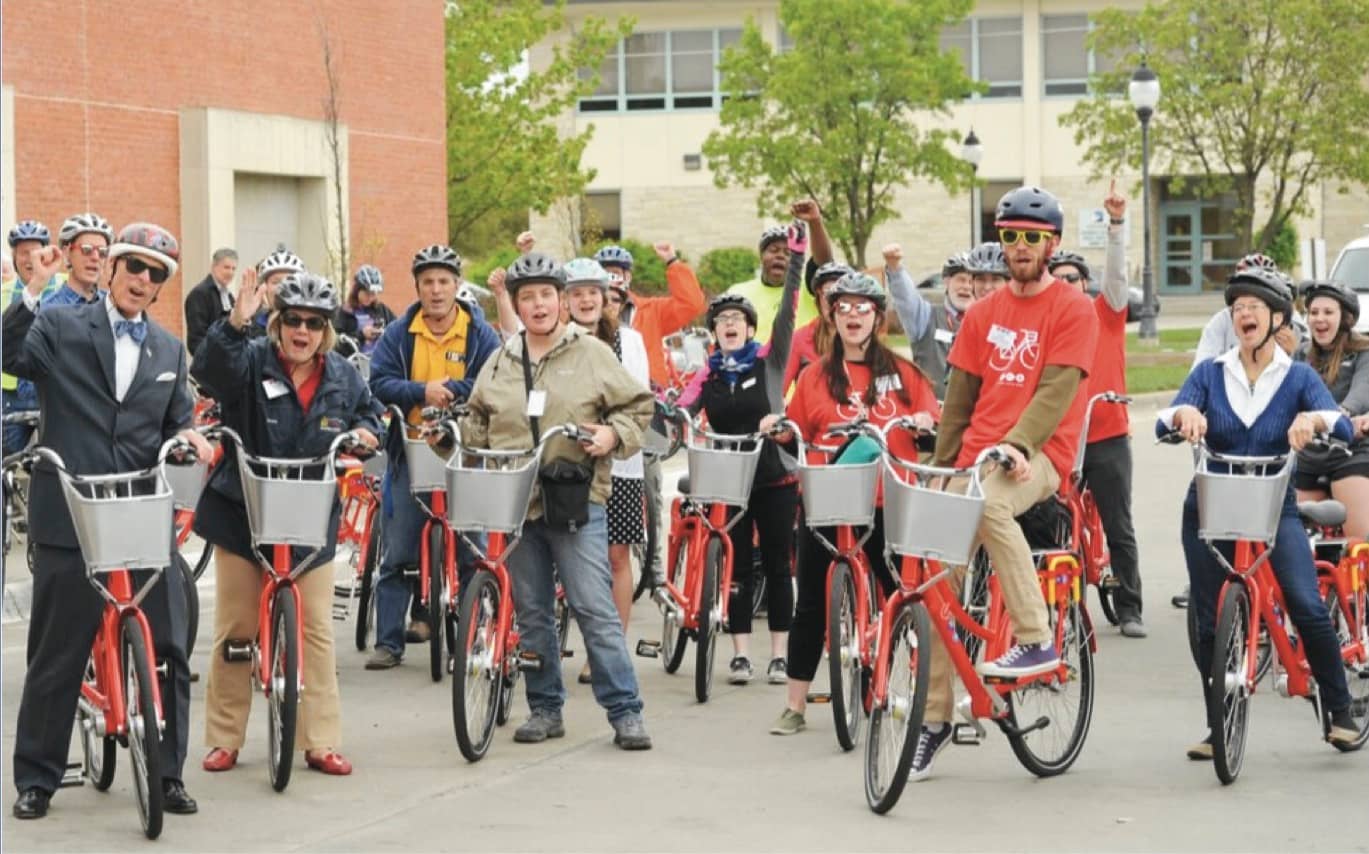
(1297, 576)
(402, 532)
(17, 435)
(582, 561)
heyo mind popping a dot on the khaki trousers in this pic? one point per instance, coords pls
(228, 697)
(1004, 500)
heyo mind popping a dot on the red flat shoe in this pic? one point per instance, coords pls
(329, 763)
(220, 759)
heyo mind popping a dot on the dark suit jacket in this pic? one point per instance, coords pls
(203, 306)
(68, 352)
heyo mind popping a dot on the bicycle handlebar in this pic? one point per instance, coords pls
(342, 443)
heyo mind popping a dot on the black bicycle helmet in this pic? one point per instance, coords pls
(773, 234)
(368, 278)
(858, 284)
(614, 255)
(1265, 285)
(726, 302)
(987, 259)
(957, 263)
(1338, 291)
(1073, 259)
(29, 229)
(534, 268)
(829, 272)
(1030, 205)
(84, 223)
(436, 255)
(307, 291)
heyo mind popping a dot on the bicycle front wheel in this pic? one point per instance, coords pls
(1066, 706)
(477, 674)
(1352, 626)
(896, 722)
(98, 753)
(283, 692)
(709, 599)
(843, 656)
(192, 602)
(437, 608)
(673, 638)
(368, 576)
(1228, 693)
(144, 736)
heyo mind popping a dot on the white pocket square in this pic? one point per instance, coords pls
(166, 377)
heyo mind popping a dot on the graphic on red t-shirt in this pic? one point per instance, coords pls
(814, 411)
(1007, 341)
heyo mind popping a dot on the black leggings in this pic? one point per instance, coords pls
(771, 514)
(809, 629)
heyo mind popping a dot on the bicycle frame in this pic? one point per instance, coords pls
(281, 575)
(692, 524)
(106, 694)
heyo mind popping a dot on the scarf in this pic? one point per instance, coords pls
(732, 367)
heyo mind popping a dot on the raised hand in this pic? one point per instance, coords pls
(525, 242)
(496, 281)
(1115, 203)
(806, 210)
(46, 261)
(893, 256)
(251, 297)
(665, 250)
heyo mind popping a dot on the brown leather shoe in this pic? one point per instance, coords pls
(330, 762)
(418, 632)
(220, 759)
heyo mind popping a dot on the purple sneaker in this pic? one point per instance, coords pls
(1024, 659)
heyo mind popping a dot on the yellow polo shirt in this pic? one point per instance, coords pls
(437, 357)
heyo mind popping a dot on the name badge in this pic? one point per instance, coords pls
(944, 336)
(748, 382)
(537, 403)
(274, 388)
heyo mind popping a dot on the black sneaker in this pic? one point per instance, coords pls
(929, 743)
(1344, 730)
(1180, 600)
(740, 671)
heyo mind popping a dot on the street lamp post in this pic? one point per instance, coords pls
(972, 152)
(1144, 93)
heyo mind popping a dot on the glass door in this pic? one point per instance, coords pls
(1181, 248)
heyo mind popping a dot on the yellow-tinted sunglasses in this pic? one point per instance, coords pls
(1032, 236)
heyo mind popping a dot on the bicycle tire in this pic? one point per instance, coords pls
(674, 639)
(477, 680)
(843, 656)
(202, 562)
(506, 694)
(974, 598)
(437, 542)
(99, 753)
(282, 708)
(707, 640)
(1107, 605)
(1350, 625)
(894, 725)
(1191, 627)
(144, 736)
(368, 577)
(1228, 699)
(1077, 654)
(646, 551)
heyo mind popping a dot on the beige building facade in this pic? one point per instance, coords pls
(659, 96)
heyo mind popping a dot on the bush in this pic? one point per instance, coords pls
(477, 270)
(1284, 247)
(720, 269)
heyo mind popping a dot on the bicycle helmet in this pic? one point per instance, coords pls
(152, 241)
(308, 291)
(1265, 285)
(987, 259)
(1030, 206)
(858, 284)
(281, 259)
(1256, 259)
(436, 255)
(829, 272)
(614, 255)
(957, 263)
(773, 234)
(534, 268)
(1341, 293)
(84, 223)
(727, 302)
(29, 229)
(586, 271)
(368, 278)
(1073, 259)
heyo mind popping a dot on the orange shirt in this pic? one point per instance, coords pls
(1109, 372)
(657, 317)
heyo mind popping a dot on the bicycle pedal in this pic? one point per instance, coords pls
(237, 650)
(1001, 680)
(649, 648)
(967, 735)
(820, 698)
(163, 670)
(74, 777)
(529, 662)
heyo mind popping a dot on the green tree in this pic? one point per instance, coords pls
(504, 151)
(835, 118)
(1263, 99)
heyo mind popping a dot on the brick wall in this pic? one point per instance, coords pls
(98, 86)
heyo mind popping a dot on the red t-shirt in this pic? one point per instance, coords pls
(1109, 372)
(305, 390)
(803, 351)
(1007, 341)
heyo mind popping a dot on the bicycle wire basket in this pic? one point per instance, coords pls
(427, 470)
(489, 491)
(722, 468)
(1240, 498)
(289, 502)
(187, 483)
(839, 494)
(122, 521)
(923, 522)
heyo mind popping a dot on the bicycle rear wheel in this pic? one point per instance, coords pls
(1228, 695)
(1105, 603)
(98, 753)
(144, 736)
(477, 676)
(1352, 624)
(368, 577)
(709, 599)
(673, 638)
(843, 656)
(1067, 706)
(282, 708)
(974, 598)
(895, 723)
(437, 542)
(192, 602)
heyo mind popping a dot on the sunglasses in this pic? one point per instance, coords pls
(1072, 278)
(1031, 236)
(313, 323)
(137, 266)
(89, 249)
(862, 308)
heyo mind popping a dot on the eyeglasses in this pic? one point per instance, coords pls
(1072, 278)
(312, 322)
(730, 317)
(89, 249)
(1032, 236)
(137, 266)
(862, 308)
(1250, 306)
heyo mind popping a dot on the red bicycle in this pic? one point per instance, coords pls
(359, 534)
(1086, 526)
(122, 523)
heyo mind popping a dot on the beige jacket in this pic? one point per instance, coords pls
(584, 384)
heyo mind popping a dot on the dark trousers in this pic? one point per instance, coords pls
(65, 617)
(809, 629)
(1297, 575)
(1107, 471)
(771, 516)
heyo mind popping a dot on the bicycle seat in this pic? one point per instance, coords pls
(1326, 514)
(683, 485)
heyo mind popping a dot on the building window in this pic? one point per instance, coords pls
(601, 216)
(990, 50)
(675, 70)
(1068, 63)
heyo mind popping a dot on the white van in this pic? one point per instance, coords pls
(1352, 268)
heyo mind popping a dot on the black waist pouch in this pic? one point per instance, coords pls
(565, 494)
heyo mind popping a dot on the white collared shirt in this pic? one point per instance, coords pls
(1249, 400)
(126, 352)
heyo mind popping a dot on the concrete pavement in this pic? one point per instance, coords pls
(716, 781)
